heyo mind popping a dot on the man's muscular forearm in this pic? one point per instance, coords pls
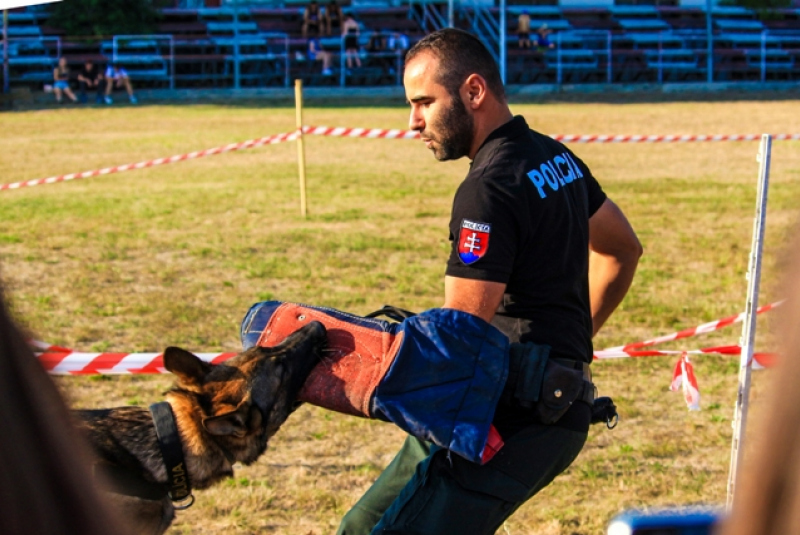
(614, 252)
(609, 280)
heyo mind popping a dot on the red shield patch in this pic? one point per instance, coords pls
(473, 241)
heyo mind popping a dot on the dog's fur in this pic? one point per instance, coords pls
(232, 408)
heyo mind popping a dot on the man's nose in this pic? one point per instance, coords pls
(415, 120)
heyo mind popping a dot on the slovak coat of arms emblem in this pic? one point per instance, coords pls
(473, 241)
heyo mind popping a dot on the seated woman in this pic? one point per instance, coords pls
(350, 33)
(316, 52)
(312, 19)
(61, 81)
(543, 38)
(333, 16)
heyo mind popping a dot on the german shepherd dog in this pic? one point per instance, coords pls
(224, 414)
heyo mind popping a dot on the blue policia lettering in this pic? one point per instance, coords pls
(555, 173)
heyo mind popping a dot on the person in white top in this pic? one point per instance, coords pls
(117, 76)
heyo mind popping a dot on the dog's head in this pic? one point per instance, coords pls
(242, 402)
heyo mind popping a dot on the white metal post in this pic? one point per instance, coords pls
(749, 324)
(559, 68)
(450, 17)
(709, 45)
(237, 73)
(171, 62)
(6, 81)
(503, 40)
(342, 63)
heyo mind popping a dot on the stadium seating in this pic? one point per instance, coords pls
(144, 58)
(620, 44)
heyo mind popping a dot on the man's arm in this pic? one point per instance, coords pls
(614, 252)
(479, 298)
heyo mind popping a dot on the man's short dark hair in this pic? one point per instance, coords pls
(460, 54)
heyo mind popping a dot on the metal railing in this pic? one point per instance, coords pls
(484, 25)
(145, 50)
(29, 53)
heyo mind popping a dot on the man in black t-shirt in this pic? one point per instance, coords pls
(538, 250)
(91, 77)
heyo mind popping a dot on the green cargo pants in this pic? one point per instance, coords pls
(426, 491)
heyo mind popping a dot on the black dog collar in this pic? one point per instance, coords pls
(169, 442)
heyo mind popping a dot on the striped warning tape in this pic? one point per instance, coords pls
(378, 133)
(700, 329)
(63, 361)
(269, 140)
(79, 363)
(374, 133)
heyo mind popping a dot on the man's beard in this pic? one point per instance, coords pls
(455, 132)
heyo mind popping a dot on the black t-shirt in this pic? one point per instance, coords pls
(521, 217)
(90, 74)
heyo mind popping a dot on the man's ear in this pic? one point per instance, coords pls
(474, 91)
(234, 423)
(189, 369)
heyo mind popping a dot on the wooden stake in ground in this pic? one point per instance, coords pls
(301, 151)
(749, 324)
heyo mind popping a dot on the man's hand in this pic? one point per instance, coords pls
(479, 298)
(614, 252)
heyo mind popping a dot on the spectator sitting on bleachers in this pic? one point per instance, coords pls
(377, 42)
(398, 41)
(542, 38)
(350, 33)
(118, 76)
(312, 19)
(524, 30)
(315, 52)
(61, 81)
(333, 17)
(90, 78)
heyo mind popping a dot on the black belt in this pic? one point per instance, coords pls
(577, 365)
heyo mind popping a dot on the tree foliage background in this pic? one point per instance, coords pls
(104, 17)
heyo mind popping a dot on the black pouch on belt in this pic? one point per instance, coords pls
(548, 386)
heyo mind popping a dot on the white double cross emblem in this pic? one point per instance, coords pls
(473, 243)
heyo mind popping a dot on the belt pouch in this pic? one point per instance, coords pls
(560, 389)
(539, 383)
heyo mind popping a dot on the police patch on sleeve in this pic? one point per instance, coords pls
(473, 241)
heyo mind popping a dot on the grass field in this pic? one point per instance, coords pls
(175, 255)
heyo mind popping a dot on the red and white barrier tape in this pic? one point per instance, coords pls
(683, 378)
(374, 133)
(700, 329)
(341, 131)
(760, 360)
(44, 347)
(77, 363)
(669, 138)
(269, 140)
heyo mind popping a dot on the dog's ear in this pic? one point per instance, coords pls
(186, 366)
(234, 423)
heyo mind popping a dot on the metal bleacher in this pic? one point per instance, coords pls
(144, 57)
(262, 45)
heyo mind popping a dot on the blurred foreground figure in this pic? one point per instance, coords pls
(767, 494)
(45, 484)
